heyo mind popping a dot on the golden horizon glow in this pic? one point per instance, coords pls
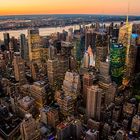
(21, 7)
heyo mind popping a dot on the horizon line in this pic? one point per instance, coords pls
(35, 14)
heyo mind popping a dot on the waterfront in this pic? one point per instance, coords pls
(46, 31)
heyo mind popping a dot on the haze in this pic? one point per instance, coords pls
(115, 7)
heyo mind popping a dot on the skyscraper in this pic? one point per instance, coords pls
(128, 40)
(24, 47)
(34, 45)
(117, 64)
(6, 40)
(94, 95)
(19, 68)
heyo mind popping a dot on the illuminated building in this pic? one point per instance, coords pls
(37, 91)
(117, 62)
(34, 45)
(94, 95)
(28, 128)
(6, 40)
(23, 47)
(128, 39)
(19, 68)
(89, 59)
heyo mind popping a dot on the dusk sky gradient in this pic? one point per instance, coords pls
(117, 7)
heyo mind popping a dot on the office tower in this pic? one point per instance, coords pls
(89, 58)
(49, 116)
(101, 55)
(52, 66)
(128, 39)
(102, 43)
(38, 92)
(116, 113)
(25, 105)
(71, 83)
(34, 46)
(64, 58)
(52, 69)
(51, 52)
(104, 74)
(70, 35)
(87, 82)
(92, 135)
(90, 38)
(66, 102)
(24, 47)
(94, 95)
(19, 68)
(28, 128)
(34, 70)
(6, 40)
(117, 62)
(14, 44)
(110, 93)
(135, 127)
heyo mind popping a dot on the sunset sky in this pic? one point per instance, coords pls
(14, 7)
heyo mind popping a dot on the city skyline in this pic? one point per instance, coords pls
(113, 7)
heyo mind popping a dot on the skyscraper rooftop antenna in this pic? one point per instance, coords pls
(127, 18)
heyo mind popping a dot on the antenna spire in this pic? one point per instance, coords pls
(127, 18)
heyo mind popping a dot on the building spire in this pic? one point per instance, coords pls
(127, 17)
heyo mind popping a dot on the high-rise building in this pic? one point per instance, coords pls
(28, 128)
(38, 92)
(6, 40)
(34, 45)
(87, 82)
(94, 96)
(24, 47)
(104, 74)
(128, 40)
(19, 68)
(52, 66)
(117, 62)
(71, 83)
(90, 38)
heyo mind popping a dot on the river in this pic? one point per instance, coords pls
(45, 31)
